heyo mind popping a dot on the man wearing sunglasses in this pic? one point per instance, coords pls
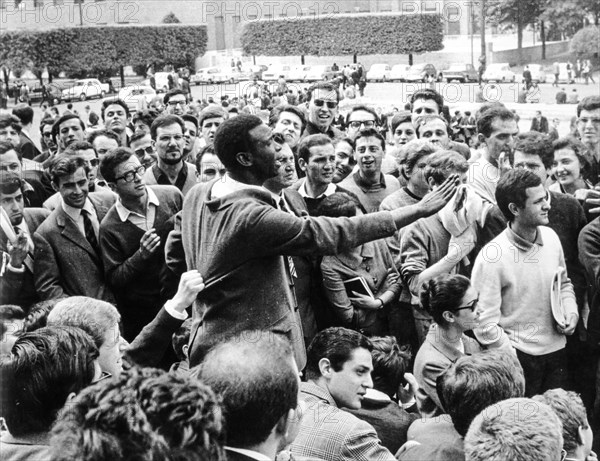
(323, 99)
(132, 238)
(141, 145)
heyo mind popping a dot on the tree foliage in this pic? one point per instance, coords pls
(586, 43)
(101, 51)
(344, 35)
(171, 19)
(515, 13)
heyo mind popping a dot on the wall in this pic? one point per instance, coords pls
(530, 54)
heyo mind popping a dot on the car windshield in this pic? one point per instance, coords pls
(456, 67)
(80, 83)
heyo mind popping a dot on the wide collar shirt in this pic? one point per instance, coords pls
(75, 215)
(143, 221)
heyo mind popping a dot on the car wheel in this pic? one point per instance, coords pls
(82, 97)
(513, 79)
(102, 94)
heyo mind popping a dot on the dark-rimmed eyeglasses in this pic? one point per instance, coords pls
(94, 162)
(177, 103)
(130, 175)
(357, 123)
(47, 134)
(144, 150)
(472, 306)
(330, 104)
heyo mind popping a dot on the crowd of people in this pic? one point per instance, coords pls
(223, 280)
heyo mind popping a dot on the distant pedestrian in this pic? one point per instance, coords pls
(3, 95)
(570, 72)
(527, 77)
(556, 70)
(573, 97)
(561, 96)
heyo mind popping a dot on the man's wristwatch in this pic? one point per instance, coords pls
(382, 303)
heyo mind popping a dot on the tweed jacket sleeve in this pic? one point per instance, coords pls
(46, 272)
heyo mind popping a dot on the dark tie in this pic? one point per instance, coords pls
(90, 234)
(291, 265)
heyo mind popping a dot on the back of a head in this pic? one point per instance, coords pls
(569, 408)
(143, 414)
(337, 205)
(390, 363)
(477, 381)
(44, 368)
(443, 163)
(93, 316)
(256, 378)
(24, 112)
(517, 430)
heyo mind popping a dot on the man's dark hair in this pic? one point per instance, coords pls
(475, 382)
(588, 103)
(143, 413)
(401, 117)
(137, 136)
(208, 149)
(62, 119)
(534, 143)
(488, 117)
(166, 120)
(11, 120)
(410, 153)
(232, 137)
(363, 108)
(254, 376)
(422, 120)
(370, 133)
(211, 112)
(38, 315)
(322, 86)
(335, 344)
(190, 118)
(145, 116)
(46, 121)
(103, 132)
(64, 165)
(512, 188)
(110, 102)
(339, 204)
(75, 147)
(24, 112)
(8, 313)
(10, 183)
(174, 92)
(428, 93)
(93, 118)
(181, 338)
(6, 147)
(112, 160)
(390, 363)
(278, 110)
(44, 367)
(310, 141)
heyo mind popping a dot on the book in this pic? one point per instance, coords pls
(558, 310)
(358, 285)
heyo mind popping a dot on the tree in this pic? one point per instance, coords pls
(563, 19)
(344, 35)
(586, 43)
(171, 19)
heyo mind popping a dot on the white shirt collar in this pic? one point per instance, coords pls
(74, 213)
(227, 185)
(249, 453)
(331, 188)
(124, 213)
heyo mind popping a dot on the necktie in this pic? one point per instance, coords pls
(291, 265)
(90, 233)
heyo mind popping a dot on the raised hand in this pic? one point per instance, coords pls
(435, 200)
(149, 243)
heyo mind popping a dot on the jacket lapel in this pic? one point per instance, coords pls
(70, 231)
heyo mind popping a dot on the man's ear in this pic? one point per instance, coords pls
(481, 138)
(283, 425)
(302, 164)
(112, 186)
(513, 208)
(153, 144)
(431, 182)
(54, 186)
(325, 368)
(245, 158)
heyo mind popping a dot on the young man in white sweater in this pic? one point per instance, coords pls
(514, 276)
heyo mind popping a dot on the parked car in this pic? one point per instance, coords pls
(379, 72)
(538, 74)
(398, 72)
(498, 72)
(133, 95)
(298, 73)
(316, 73)
(464, 73)
(563, 76)
(212, 75)
(54, 92)
(161, 81)
(274, 72)
(84, 89)
(421, 72)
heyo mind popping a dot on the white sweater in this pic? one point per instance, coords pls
(514, 279)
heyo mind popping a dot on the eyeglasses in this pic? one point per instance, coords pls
(144, 150)
(176, 103)
(130, 175)
(278, 138)
(357, 123)
(94, 162)
(103, 376)
(48, 134)
(472, 306)
(330, 104)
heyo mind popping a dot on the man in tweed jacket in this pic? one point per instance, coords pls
(339, 373)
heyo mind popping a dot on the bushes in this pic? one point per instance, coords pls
(344, 35)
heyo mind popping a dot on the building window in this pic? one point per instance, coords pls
(38, 3)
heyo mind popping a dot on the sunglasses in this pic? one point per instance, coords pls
(94, 162)
(144, 150)
(472, 306)
(330, 104)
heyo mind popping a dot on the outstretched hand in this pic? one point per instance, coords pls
(435, 200)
